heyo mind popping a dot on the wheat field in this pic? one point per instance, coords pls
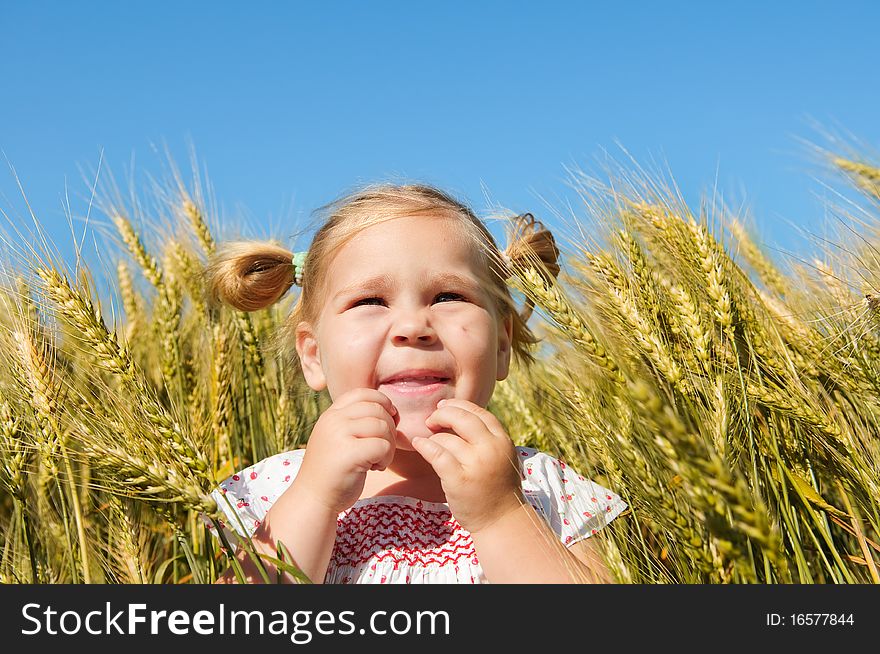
(731, 401)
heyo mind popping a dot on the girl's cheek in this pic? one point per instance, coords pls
(475, 335)
(359, 344)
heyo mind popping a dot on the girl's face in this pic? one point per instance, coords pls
(405, 313)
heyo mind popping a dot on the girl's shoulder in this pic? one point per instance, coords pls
(270, 476)
(246, 496)
(279, 465)
(575, 507)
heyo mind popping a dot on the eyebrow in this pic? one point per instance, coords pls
(385, 282)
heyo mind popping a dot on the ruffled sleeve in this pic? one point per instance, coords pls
(574, 506)
(246, 497)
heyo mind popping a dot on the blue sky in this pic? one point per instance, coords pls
(289, 104)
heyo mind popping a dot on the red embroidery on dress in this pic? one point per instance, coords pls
(401, 534)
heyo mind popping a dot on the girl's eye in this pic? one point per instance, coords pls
(368, 301)
(441, 297)
(454, 296)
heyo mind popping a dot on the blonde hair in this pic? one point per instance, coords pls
(252, 275)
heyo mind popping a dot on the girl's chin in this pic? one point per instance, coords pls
(404, 439)
(403, 443)
(411, 427)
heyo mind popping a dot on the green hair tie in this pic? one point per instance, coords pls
(299, 264)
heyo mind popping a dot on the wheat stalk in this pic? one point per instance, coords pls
(767, 272)
(126, 538)
(551, 299)
(108, 354)
(221, 394)
(130, 301)
(147, 262)
(168, 311)
(865, 176)
(45, 391)
(710, 263)
(197, 221)
(646, 338)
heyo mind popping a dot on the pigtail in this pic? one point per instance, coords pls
(532, 245)
(249, 275)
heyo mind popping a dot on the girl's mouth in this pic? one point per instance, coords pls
(415, 385)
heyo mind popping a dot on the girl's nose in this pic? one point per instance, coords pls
(413, 327)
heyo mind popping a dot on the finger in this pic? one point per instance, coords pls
(365, 409)
(487, 417)
(364, 395)
(441, 459)
(373, 453)
(372, 427)
(464, 423)
(460, 449)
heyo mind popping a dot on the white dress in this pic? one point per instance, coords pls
(396, 539)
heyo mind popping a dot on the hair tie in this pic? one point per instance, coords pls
(299, 263)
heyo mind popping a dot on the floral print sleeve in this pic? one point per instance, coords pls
(246, 496)
(574, 506)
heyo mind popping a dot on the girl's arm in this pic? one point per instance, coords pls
(521, 548)
(482, 476)
(354, 435)
(481, 473)
(310, 548)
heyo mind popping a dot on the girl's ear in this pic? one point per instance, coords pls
(310, 357)
(505, 338)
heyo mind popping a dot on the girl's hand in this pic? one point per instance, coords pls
(355, 435)
(476, 462)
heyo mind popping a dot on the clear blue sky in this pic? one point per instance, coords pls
(288, 104)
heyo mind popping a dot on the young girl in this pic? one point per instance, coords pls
(405, 318)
